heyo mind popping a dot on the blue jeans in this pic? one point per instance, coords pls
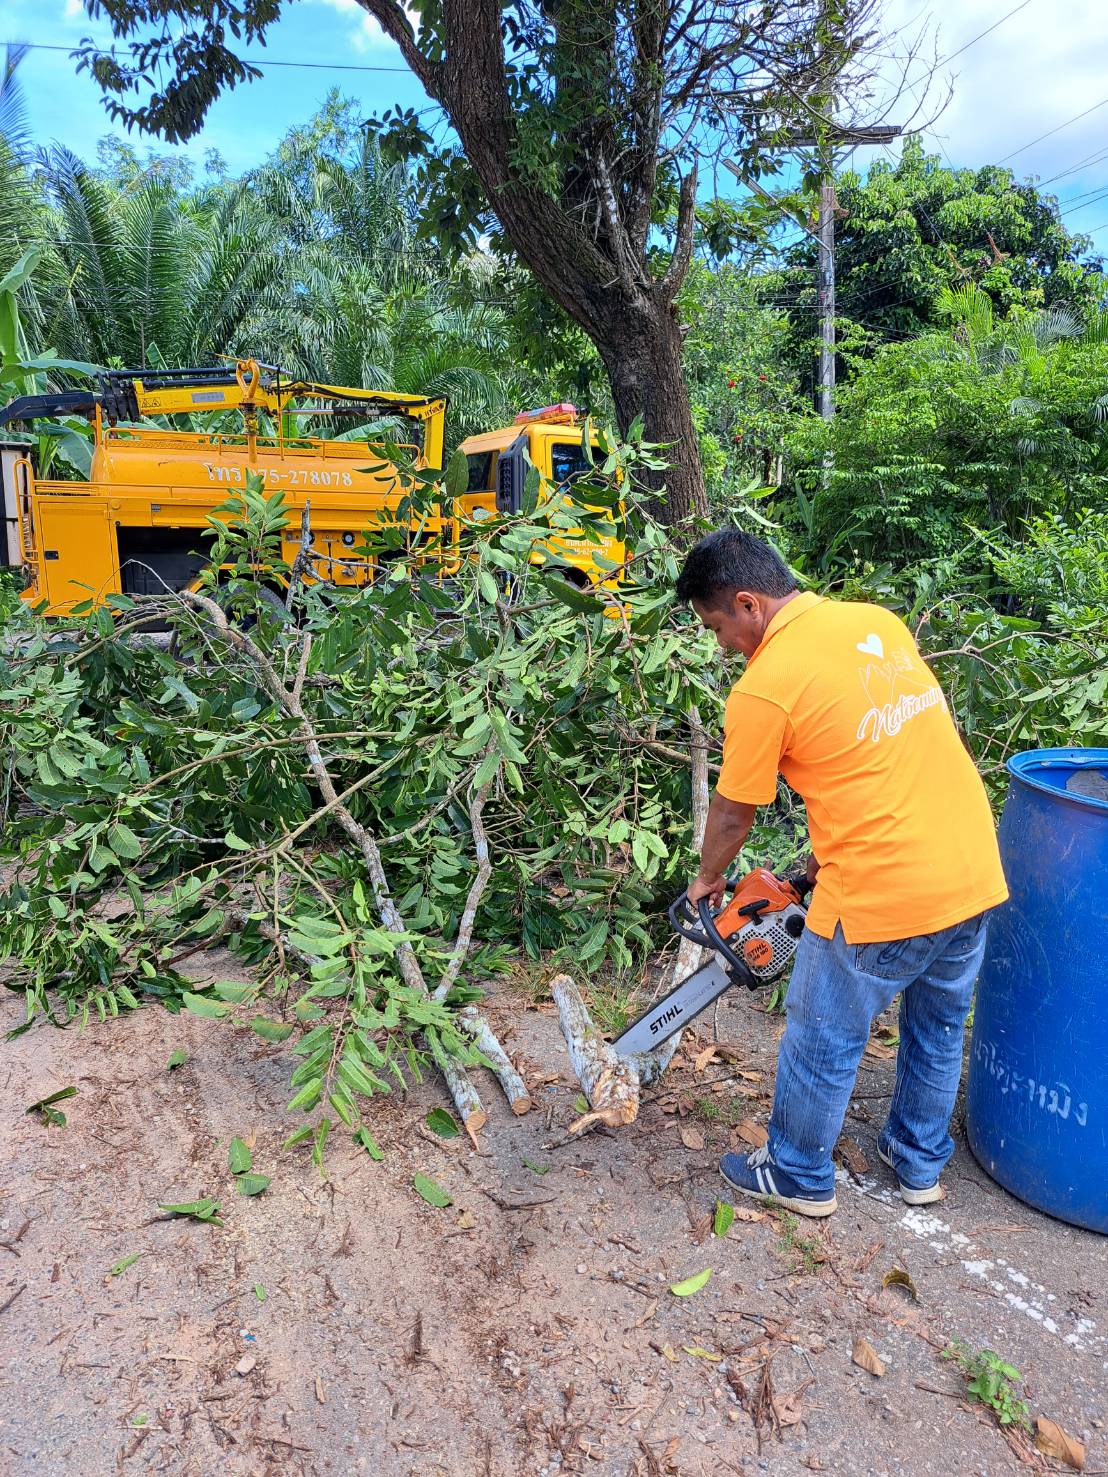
(835, 992)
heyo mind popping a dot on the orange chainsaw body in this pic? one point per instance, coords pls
(758, 921)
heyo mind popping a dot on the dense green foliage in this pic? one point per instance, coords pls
(912, 228)
(177, 781)
(978, 426)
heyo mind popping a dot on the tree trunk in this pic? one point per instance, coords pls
(641, 350)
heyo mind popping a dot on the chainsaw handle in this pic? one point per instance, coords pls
(682, 917)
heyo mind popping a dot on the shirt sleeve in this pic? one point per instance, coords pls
(756, 732)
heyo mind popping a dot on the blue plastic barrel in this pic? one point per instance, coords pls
(1037, 1099)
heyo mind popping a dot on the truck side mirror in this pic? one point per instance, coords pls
(510, 476)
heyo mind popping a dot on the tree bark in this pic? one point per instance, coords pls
(641, 350)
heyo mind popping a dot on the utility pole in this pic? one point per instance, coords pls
(825, 144)
(826, 269)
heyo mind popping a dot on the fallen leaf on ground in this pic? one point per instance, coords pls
(897, 1277)
(698, 1353)
(787, 1408)
(879, 1051)
(691, 1284)
(752, 1133)
(239, 1157)
(177, 1059)
(691, 1137)
(121, 1266)
(813, 1463)
(439, 1121)
(1052, 1441)
(433, 1194)
(743, 1213)
(466, 1220)
(867, 1357)
(725, 1214)
(851, 1157)
(251, 1184)
(703, 1058)
(666, 1351)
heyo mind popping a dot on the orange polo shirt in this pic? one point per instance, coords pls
(838, 699)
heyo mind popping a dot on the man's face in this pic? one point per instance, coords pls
(736, 619)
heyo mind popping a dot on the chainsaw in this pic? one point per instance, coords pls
(754, 937)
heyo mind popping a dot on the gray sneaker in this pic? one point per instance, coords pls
(908, 1193)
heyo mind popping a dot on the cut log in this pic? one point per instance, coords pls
(515, 1089)
(609, 1082)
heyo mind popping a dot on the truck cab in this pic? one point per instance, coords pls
(550, 440)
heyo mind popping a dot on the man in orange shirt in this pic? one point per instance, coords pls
(836, 698)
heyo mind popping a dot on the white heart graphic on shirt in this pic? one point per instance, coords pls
(872, 646)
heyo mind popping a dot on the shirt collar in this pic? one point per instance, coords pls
(797, 606)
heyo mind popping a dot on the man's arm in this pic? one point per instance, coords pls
(729, 822)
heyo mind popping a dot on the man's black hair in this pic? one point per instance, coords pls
(729, 560)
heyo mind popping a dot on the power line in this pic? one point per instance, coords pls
(988, 32)
(249, 61)
(1094, 158)
(1097, 195)
(1050, 134)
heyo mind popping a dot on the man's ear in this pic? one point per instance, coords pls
(745, 603)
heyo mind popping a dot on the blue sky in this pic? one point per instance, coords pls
(1043, 64)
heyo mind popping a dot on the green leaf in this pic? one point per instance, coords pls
(252, 1184)
(260, 1292)
(432, 1193)
(692, 1284)
(580, 1103)
(239, 1157)
(55, 1098)
(206, 1209)
(118, 1268)
(200, 1005)
(456, 480)
(536, 1168)
(567, 594)
(236, 843)
(439, 1121)
(271, 1030)
(176, 1059)
(124, 842)
(725, 1214)
(308, 1095)
(301, 1135)
(487, 585)
(369, 1143)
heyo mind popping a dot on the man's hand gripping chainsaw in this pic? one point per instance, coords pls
(754, 937)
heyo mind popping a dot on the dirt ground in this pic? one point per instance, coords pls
(339, 1324)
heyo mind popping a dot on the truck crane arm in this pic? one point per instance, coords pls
(132, 394)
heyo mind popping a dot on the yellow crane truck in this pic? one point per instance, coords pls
(551, 440)
(134, 527)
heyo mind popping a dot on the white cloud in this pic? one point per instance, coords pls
(1039, 68)
(365, 34)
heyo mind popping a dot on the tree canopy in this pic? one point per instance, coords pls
(581, 127)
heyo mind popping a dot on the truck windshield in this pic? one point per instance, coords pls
(567, 462)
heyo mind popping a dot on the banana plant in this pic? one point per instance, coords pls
(25, 373)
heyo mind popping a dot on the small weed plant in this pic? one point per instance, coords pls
(990, 1381)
